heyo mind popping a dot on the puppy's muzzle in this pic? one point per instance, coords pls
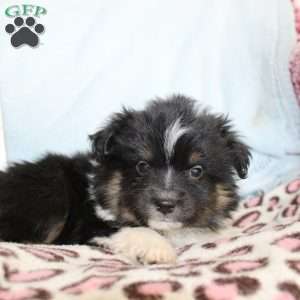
(165, 201)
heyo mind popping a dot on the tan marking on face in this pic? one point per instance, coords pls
(195, 157)
(224, 196)
(112, 192)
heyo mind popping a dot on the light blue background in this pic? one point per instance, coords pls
(96, 56)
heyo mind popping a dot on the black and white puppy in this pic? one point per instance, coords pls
(166, 167)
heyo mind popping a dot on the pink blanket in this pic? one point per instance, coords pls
(256, 257)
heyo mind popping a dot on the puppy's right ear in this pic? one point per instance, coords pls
(105, 142)
(102, 143)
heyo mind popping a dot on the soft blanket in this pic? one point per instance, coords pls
(256, 257)
(94, 57)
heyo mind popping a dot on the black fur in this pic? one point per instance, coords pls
(53, 199)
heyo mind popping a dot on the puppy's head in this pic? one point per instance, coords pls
(169, 165)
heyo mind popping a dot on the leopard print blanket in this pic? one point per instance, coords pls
(256, 257)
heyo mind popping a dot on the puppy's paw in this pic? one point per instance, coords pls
(143, 245)
(102, 243)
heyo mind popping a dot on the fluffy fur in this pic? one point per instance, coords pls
(168, 166)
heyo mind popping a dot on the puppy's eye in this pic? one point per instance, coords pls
(142, 167)
(196, 172)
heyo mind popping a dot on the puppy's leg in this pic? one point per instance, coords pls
(141, 244)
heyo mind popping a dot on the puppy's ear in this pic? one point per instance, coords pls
(241, 157)
(102, 143)
(239, 151)
(105, 142)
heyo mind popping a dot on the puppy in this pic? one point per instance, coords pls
(166, 167)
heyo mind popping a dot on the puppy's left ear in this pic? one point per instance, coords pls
(241, 157)
(239, 151)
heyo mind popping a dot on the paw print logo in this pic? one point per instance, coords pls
(24, 33)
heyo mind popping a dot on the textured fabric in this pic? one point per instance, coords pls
(256, 257)
(93, 57)
(295, 60)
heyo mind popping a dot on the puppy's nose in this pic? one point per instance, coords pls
(164, 206)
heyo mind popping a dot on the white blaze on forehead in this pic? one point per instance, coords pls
(168, 178)
(172, 134)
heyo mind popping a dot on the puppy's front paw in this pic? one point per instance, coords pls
(101, 242)
(143, 245)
